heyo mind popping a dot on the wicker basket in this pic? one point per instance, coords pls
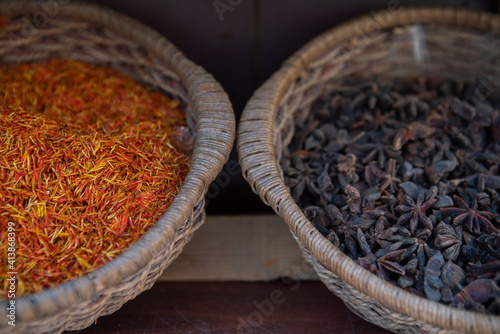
(96, 35)
(460, 44)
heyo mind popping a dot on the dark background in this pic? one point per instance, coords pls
(245, 43)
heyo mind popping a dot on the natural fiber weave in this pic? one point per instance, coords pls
(455, 43)
(93, 34)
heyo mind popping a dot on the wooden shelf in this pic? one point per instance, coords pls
(234, 307)
(239, 274)
(240, 248)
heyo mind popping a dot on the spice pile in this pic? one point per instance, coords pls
(404, 178)
(87, 165)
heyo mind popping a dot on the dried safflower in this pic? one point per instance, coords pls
(88, 164)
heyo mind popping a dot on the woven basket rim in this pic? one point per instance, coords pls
(259, 166)
(215, 134)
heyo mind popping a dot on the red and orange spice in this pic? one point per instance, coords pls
(87, 165)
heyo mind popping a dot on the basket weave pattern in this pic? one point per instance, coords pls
(458, 44)
(96, 35)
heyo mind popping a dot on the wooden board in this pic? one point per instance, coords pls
(277, 307)
(240, 248)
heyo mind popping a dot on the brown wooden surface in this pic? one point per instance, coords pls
(216, 250)
(281, 306)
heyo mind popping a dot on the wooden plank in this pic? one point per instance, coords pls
(276, 307)
(240, 248)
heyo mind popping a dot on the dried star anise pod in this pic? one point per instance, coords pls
(470, 217)
(378, 151)
(452, 276)
(404, 179)
(380, 233)
(484, 270)
(414, 131)
(299, 177)
(477, 292)
(448, 240)
(443, 163)
(389, 181)
(490, 243)
(382, 121)
(414, 212)
(418, 247)
(353, 199)
(346, 165)
(391, 261)
(432, 281)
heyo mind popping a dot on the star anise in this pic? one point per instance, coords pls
(353, 199)
(299, 177)
(471, 217)
(349, 234)
(448, 240)
(471, 252)
(410, 105)
(415, 212)
(346, 165)
(411, 132)
(392, 261)
(475, 162)
(411, 172)
(388, 180)
(383, 122)
(378, 151)
(385, 236)
(495, 126)
(443, 162)
(490, 243)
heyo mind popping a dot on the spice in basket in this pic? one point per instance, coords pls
(404, 178)
(88, 164)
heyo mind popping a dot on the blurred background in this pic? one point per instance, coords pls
(243, 42)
